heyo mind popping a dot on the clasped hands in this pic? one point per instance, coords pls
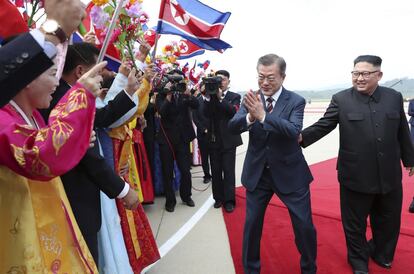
(254, 106)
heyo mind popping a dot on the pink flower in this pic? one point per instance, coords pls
(99, 17)
(143, 19)
(115, 36)
(134, 10)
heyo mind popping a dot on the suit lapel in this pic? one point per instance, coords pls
(280, 103)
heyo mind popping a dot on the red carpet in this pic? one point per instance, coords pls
(278, 251)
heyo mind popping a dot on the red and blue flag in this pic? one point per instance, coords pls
(194, 21)
(188, 49)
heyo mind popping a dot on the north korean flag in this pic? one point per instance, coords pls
(195, 21)
(188, 49)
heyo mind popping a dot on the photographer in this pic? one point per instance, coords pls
(173, 103)
(219, 106)
(202, 124)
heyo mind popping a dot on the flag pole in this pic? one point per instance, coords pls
(110, 31)
(157, 30)
(155, 46)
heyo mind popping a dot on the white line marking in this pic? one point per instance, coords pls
(180, 234)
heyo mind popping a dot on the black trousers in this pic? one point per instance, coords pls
(299, 206)
(384, 211)
(91, 240)
(223, 172)
(183, 158)
(205, 154)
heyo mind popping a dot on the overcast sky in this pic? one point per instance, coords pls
(319, 39)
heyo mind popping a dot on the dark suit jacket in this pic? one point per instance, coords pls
(200, 120)
(83, 183)
(219, 114)
(411, 112)
(374, 136)
(275, 144)
(176, 122)
(21, 61)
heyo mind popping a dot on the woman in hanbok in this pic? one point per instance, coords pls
(38, 231)
(138, 239)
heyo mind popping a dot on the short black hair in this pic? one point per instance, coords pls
(80, 54)
(376, 61)
(223, 72)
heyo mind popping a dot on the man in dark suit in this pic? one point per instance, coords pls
(274, 162)
(411, 121)
(374, 137)
(85, 181)
(220, 108)
(174, 137)
(202, 124)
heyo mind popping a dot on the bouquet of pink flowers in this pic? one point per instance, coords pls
(128, 33)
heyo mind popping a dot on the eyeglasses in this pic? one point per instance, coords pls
(270, 79)
(365, 74)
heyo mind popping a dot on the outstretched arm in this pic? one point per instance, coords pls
(322, 127)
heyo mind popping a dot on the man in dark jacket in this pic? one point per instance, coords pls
(174, 137)
(374, 137)
(219, 109)
(202, 123)
(274, 163)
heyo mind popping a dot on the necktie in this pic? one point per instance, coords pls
(269, 105)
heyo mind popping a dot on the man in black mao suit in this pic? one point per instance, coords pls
(274, 162)
(174, 137)
(220, 108)
(374, 137)
(85, 181)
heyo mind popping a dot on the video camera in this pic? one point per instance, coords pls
(212, 84)
(175, 80)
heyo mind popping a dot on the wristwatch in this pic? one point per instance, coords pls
(52, 27)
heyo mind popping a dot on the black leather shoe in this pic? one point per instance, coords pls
(207, 180)
(229, 207)
(169, 208)
(190, 202)
(411, 208)
(360, 272)
(383, 264)
(217, 204)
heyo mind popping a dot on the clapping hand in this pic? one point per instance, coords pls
(254, 105)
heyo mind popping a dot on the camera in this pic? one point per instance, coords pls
(175, 80)
(212, 84)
